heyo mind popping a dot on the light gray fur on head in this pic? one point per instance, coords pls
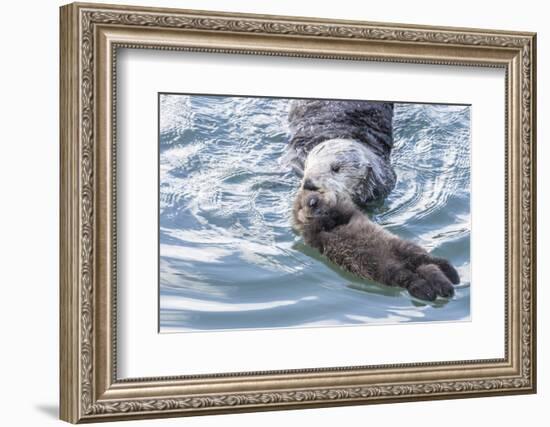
(357, 133)
(348, 167)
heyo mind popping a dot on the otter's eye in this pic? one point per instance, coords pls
(335, 167)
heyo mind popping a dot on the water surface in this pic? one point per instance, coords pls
(229, 258)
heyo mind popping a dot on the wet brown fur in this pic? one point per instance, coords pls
(347, 237)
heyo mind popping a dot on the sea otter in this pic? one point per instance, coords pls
(343, 146)
(332, 224)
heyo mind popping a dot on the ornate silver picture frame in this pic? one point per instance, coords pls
(92, 35)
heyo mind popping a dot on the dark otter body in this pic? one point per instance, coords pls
(314, 121)
(348, 238)
(367, 123)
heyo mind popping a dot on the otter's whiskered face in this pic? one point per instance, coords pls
(315, 205)
(322, 211)
(312, 204)
(336, 165)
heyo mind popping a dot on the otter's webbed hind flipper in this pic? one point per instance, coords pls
(397, 274)
(427, 283)
(416, 256)
(437, 280)
(447, 268)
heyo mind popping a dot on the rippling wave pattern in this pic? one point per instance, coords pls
(228, 256)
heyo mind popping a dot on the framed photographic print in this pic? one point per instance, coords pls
(266, 212)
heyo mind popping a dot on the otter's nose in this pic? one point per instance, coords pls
(309, 185)
(312, 202)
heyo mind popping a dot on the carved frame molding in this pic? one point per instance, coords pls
(90, 37)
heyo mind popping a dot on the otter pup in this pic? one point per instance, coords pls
(347, 237)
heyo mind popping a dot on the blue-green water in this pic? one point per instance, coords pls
(229, 258)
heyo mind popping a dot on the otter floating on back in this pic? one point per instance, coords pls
(346, 236)
(343, 146)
